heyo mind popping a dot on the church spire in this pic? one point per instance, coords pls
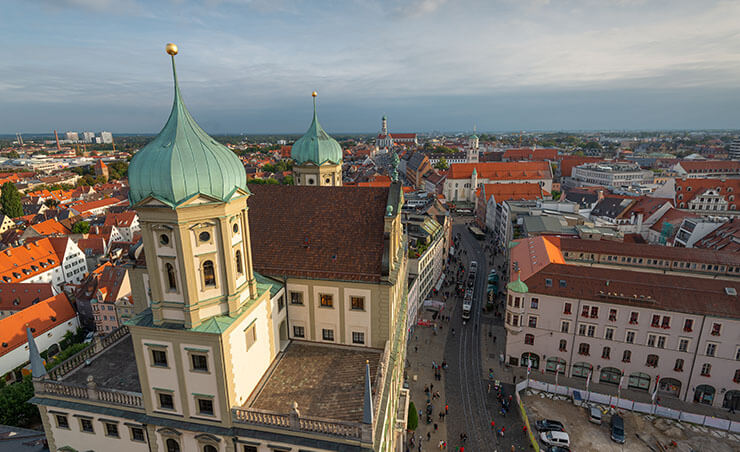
(367, 409)
(37, 364)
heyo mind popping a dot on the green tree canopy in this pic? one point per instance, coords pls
(13, 154)
(11, 200)
(442, 164)
(81, 227)
(413, 421)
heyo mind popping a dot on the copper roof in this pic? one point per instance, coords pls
(318, 232)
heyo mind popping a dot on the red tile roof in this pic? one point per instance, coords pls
(726, 238)
(702, 166)
(121, 220)
(677, 293)
(18, 296)
(674, 217)
(26, 261)
(87, 206)
(501, 170)
(50, 227)
(517, 191)
(41, 318)
(530, 154)
(691, 188)
(318, 232)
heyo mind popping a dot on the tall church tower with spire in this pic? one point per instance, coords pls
(473, 148)
(317, 157)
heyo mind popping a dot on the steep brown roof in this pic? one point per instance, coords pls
(671, 253)
(640, 289)
(17, 296)
(318, 232)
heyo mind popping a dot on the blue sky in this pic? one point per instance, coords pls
(249, 66)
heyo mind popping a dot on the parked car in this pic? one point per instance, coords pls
(594, 415)
(557, 449)
(547, 425)
(617, 429)
(552, 438)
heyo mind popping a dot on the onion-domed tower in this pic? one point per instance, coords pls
(317, 157)
(191, 196)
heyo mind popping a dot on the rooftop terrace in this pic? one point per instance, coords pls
(326, 381)
(114, 368)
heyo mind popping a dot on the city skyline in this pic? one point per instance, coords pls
(249, 67)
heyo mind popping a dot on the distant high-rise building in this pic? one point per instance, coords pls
(88, 137)
(72, 136)
(106, 137)
(735, 149)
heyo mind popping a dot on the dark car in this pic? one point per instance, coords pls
(617, 429)
(557, 449)
(549, 425)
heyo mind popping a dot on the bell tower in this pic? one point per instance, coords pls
(317, 157)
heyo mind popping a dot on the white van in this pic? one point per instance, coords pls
(553, 438)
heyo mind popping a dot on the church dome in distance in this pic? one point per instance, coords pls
(183, 161)
(316, 146)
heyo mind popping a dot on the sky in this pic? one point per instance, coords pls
(249, 66)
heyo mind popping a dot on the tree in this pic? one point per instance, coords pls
(287, 180)
(442, 164)
(81, 227)
(14, 406)
(11, 200)
(13, 155)
(413, 421)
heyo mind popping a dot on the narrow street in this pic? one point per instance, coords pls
(472, 406)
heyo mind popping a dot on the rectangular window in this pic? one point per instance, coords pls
(584, 311)
(630, 337)
(281, 303)
(711, 349)
(594, 312)
(609, 334)
(326, 300)
(666, 323)
(633, 318)
(137, 434)
(591, 330)
(566, 308)
(327, 334)
(166, 401)
(299, 331)
(62, 421)
(683, 345)
(605, 353)
(716, 328)
(612, 315)
(529, 339)
(656, 320)
(565, 326)
(651, 340)
(678, 367)
(652, 361)
(626, 356)
(548, 282)
(563, 345)
(534, 303)
(532, 322)
(358, 303)
(688, 325)
(86, 425)
(706, 370)
(205, 406)
(200, 362)
(358, 337)
(562, 284)
(516, 302)
(583, 349)
(581, 330)
(296, 298)
(111, 430)
(661, 341)
(159, 358)
(250, 335)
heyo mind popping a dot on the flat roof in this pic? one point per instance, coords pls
(327, 381)
(114, 368)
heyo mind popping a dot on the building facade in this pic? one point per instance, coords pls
(464, 179)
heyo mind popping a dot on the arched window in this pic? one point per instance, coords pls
(172, 445)
(171, 280)
(238, 257)
(209, 448)
(209, 274)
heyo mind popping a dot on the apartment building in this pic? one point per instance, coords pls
(699, 169)
(610, 174)
(56, 260)
(463, 179)
(657, 328)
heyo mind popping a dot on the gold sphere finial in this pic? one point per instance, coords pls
(314, 94)
(171, 48)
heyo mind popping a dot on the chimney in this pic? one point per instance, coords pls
(7, 252)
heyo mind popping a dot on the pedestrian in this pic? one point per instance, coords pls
(513, 448)
(431, 387)
(462, 437)
(435, 427)
(441, 415)
(446, 409)
(429, 436)
(494, 339)
(514, 380)
(493, 425)
(416, 348)
(524, 429)
(503, 429)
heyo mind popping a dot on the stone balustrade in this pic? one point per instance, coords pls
(295, 422)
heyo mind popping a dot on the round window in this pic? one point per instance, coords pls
(204, 236)
(236, 228)
(164, 239)
(327, 180)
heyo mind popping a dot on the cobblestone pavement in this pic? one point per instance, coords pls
(464, 385)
